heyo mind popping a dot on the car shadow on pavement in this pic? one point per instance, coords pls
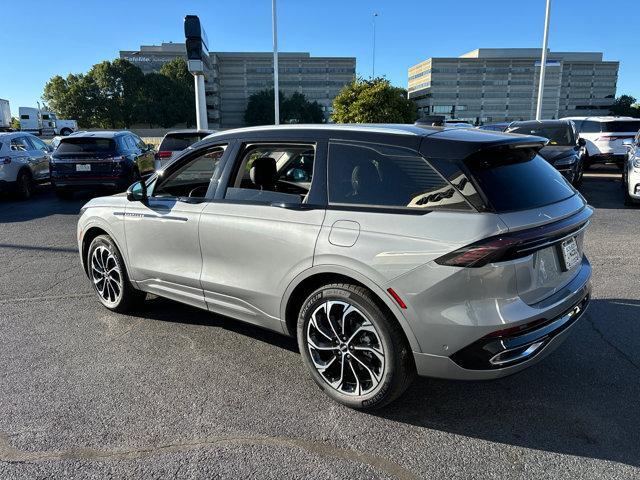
(164, 310)
(602, 187)
(42, 204)
(581, 400)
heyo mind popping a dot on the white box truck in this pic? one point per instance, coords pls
(5, 115)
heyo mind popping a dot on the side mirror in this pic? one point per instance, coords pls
(150, 146)
(137, 192)
(582, 142)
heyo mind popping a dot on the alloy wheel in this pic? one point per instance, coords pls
(106, 275)
(345, 348)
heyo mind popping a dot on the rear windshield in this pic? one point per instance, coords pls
(179, 142)
(557, 134)
(517, 179)
(86, 145)
(621, 126)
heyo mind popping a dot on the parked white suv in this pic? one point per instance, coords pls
(24, 161)
(604, 137)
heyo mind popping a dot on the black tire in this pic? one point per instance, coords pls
(66, 131)
(64, 193)
(395, 374)
(129, 297)
(25, 185)
(577, 183)
(586, 161)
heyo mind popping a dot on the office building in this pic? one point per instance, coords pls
(496, 85)
(234, 76)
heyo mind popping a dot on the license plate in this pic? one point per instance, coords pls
(83, 168)
(570, 253)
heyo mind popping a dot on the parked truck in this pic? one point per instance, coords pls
(43, 122)
(5, 116)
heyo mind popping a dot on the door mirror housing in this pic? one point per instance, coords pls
(137, 192)
(582, 142)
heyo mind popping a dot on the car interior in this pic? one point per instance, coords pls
(192, 179)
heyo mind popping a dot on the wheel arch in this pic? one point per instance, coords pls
(92, 231)
(313, 278)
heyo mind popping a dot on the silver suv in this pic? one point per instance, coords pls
(24, 161)
(387, 250)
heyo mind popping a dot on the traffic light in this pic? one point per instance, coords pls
(196, 39)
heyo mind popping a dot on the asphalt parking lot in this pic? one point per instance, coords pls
(175, 391)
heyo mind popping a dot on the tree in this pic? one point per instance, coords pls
(184, 90)
(15, 123)
(294, 109)
(373, 101)
(159, 103)
(626, 106)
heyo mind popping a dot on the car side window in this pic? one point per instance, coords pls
(589, 126)
(139, 143)
(19, 144)
(192, 178)
(38, 144)
(372, 175)
(272, 173)
(131, 143)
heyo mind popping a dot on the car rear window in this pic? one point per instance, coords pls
(86, 145)
(179, 142)
(517, 179)
(621, 126)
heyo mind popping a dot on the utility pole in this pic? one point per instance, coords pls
(543, 61)
(276, 90)
(373, 69)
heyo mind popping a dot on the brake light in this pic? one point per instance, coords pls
(6, 161)
(164, 154)
(480, 253)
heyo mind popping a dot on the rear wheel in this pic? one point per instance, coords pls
(354, 352)
(65, 131)
(108, 274)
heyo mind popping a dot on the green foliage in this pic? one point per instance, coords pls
(373, 101)
(294, 109)
(15, 123)
(117, 94)
(626, 106)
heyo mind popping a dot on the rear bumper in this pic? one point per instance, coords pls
(495, 357)
(106, 181)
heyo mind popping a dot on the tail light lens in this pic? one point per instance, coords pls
(164, 154)
(480, 253)
(515, 245)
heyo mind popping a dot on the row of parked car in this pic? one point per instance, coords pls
(109, 160)
(576, 143)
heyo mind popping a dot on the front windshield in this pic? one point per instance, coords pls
(559, 135)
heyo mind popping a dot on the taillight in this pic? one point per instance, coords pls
(480, 253)
(515, 244)
(164, 154)
(6, 161)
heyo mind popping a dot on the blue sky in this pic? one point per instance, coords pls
(66, 36)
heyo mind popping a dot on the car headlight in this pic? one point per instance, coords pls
(568, 160)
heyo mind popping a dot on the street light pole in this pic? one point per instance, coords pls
(276, 90)
(543, 61)
(373, 68)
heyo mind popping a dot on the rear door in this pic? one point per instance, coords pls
(261, 230)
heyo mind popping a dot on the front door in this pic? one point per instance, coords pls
(162, 232)
(261, 230)
(39, 154)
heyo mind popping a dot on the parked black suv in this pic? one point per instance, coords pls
(91, 160)
(565, 150)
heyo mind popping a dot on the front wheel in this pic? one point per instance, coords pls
(107, 271)
(353, 350)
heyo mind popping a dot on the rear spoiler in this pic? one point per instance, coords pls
(457, 144)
